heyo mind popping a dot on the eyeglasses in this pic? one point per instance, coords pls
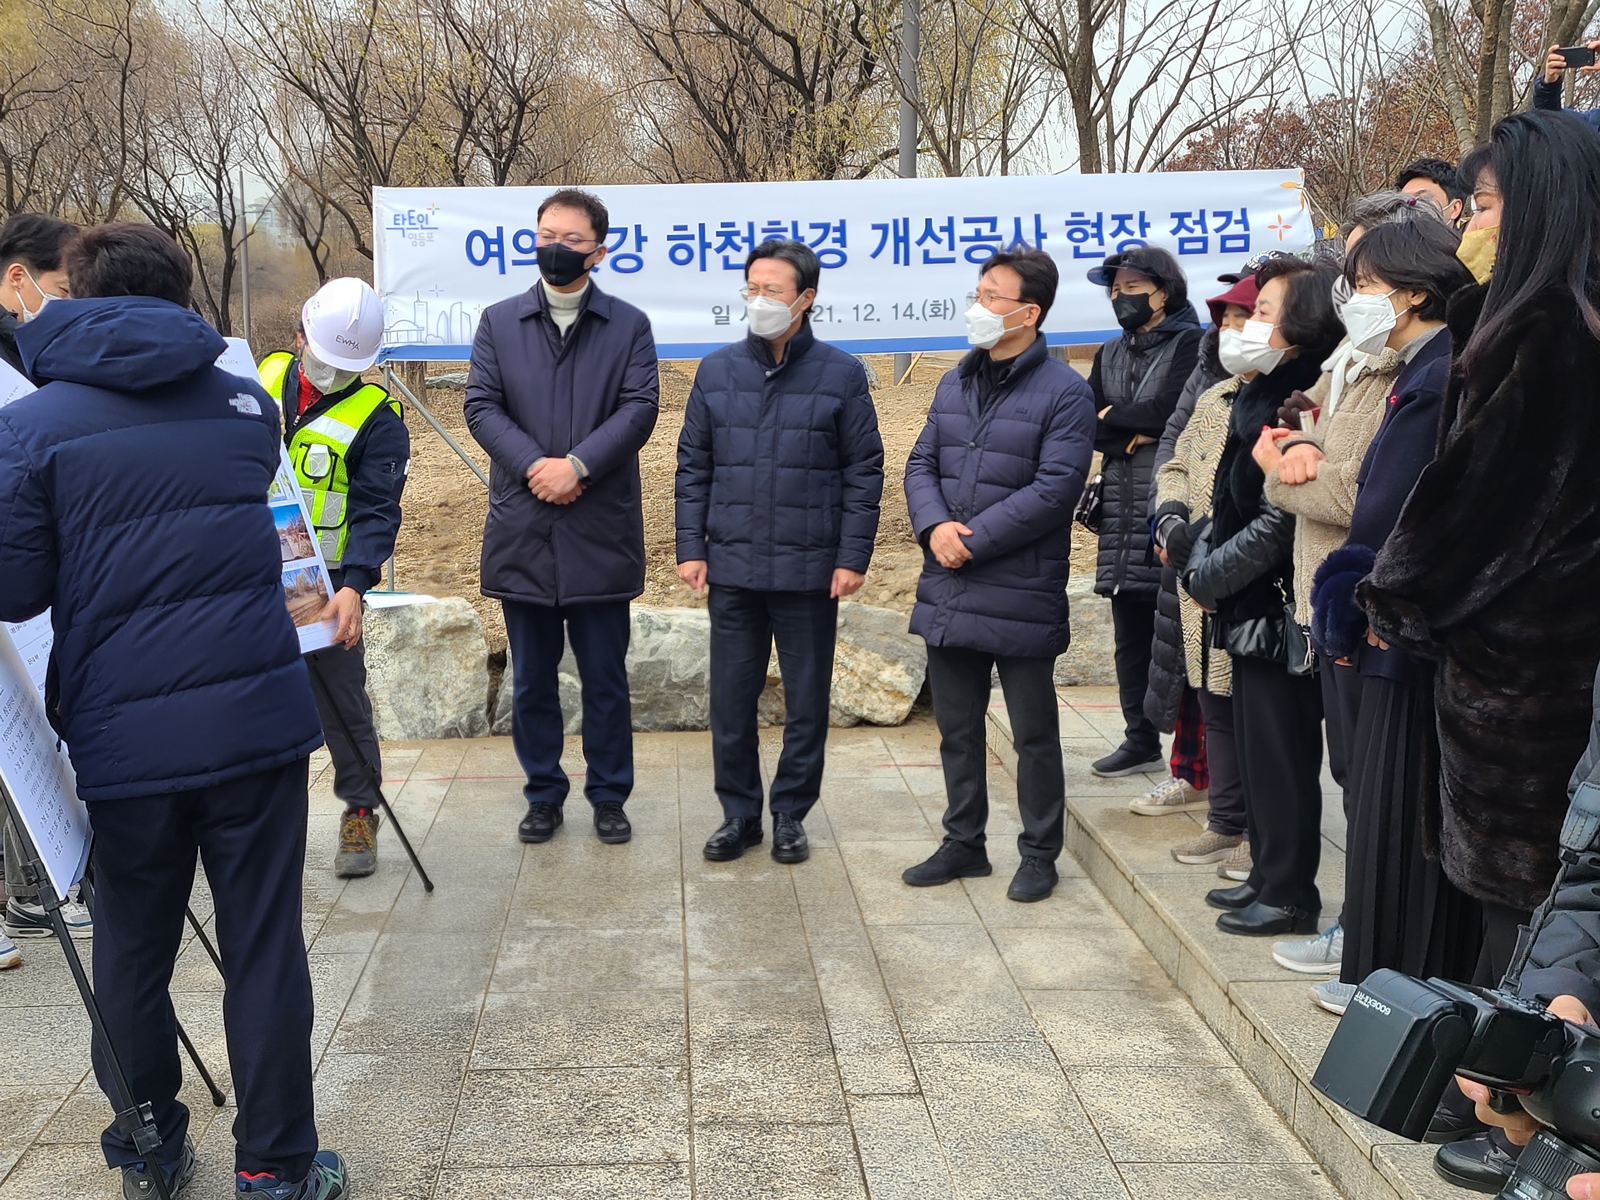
(572, 241)
(772, 292)
(988, 298)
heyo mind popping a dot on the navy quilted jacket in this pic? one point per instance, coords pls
(133, 504)
(1012, 474)
(780, 466)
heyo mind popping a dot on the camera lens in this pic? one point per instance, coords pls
(1546, 1163)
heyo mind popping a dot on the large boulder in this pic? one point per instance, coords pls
(878, 670)
(1091, 659)
(669, 674)
(427, 670)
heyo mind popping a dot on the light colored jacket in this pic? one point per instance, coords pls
(1322, 506)
(1187, 478)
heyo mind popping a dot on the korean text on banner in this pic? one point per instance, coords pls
(307, 586)
(898, 255)
(35, 767)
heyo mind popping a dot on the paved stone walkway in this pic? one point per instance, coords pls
(576, 1021)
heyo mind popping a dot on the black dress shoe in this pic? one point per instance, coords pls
(949, 862)
(541, 823)
(1035, 879)
(1482, 1163)
(1266, 920)
(1125, 760)
(733, 838)
(611, 823)
(789, 844)
(1454, 1119)
(1232, 899)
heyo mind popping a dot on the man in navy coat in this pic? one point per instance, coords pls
(562, 393)
(780, 471)
(991, 485)
(133, 505)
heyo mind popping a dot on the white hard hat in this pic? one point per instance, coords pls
(344, 324)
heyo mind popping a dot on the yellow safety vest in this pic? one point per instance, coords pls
(320, 449)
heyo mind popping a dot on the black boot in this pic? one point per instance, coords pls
(733, 838)
(1232, 899)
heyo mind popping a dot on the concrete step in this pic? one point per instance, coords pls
(1259, 1011)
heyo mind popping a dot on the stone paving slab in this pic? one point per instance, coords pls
(1260, 1013)
(577, 1021)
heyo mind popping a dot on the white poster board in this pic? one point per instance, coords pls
(307, 586)
(898, 255)
(36, 769)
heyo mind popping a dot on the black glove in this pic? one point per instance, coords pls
(1180, 543)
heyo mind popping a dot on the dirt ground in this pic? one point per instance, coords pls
(445, 504)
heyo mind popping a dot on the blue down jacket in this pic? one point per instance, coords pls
(780, 466)
(133, 489)
(1012, 473)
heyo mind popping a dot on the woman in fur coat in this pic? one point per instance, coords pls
(1493, 569)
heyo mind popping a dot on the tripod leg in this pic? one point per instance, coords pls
(217, 1098)
(367, 768)
(200, 932)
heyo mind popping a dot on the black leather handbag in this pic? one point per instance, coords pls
(1091, 506)
(1274, 638)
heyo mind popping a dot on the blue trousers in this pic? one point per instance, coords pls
(251, 835)
(743, 626)
(599, 635)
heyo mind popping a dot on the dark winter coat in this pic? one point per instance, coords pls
(9, 353)
(1548, 97)
(533, 394)
(1493, 570)
(140, 519)
(780, 466)
(1564, 959)
(1139, 376)
(1401, 448)
(1168, 664)
(1242, 566)
(377, 464)
(1012, 473)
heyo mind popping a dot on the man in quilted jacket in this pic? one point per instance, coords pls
(780, 471)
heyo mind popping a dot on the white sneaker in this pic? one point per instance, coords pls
(26, 919)
(1319, 956)
(1171, 795)
(1332, 996)
(10, 956)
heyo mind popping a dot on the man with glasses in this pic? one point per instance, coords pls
(780, 471)
(990, 488)
(562, 393)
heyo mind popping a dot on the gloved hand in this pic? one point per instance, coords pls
(1180, 543)
(1289, 414)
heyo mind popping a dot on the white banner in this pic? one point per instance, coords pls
(898, 255)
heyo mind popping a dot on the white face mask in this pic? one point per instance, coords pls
(985, 328)
(1252, 352)
(1369, 320)
(44, 299)
(768, 318)
(1228, 343)
(327, 380)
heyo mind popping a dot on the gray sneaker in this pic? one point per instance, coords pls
(1171, 795)
(1319, 956)
(139, 1184)
(1332, 995)
(1237, 865)
(1207, 848)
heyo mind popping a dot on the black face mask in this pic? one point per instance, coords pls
(561, 265)
(1133, 310)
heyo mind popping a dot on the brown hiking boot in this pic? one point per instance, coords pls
(358, 844)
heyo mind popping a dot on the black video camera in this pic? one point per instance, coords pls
(1402, 1039)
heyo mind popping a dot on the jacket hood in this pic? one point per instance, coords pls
(1178, 321)
(120, 343)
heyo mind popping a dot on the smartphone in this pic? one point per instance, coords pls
(1577, 56)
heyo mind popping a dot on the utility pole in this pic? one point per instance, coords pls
(910, 48)
(244, 259)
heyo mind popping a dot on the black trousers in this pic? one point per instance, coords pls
(1226, 809)
(1277, 720)
(1341, 709)
(339, 683)
(537, 634)
(251, 835)
(1133, 621)
(960, 682)
(744, 625)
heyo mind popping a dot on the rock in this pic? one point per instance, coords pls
(878, 670)
(669, 674)
(872, 371)
(1091, 659)
(427, 670)
(453, 381)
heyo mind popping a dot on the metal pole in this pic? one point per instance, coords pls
(393, 382)
(910, 89)
(244, 258)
